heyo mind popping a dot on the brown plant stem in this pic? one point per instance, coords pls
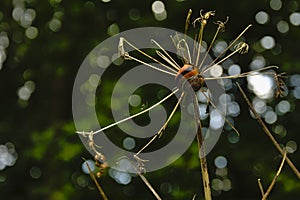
(260, 187)
(101, 191)
(149, 185)
(202, 156)
(144, 179)
(268, 133)
(194, 197)
(275, 178)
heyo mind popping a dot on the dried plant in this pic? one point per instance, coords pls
(268, 133)
(280, 84)
(191, 72)
(101, 191)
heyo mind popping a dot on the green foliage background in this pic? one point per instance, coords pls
(42, 129)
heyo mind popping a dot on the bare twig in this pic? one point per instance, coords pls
(149, 185)
(144, 179)
(203, 163)
(101, 191)
(221, 113)
(260, 187)
(275, 178)
(160, 132)
(194, 197)
(268, 133)
(229, 46)
(130, 117)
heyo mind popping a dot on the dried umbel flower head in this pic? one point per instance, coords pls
(192, 71)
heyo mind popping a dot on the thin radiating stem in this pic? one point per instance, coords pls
(158, 134)
(203, 21)
(229, 46)
(149, 65)
(166, 59)
(222, 114)
(130, 117)
(189, 59)
(199, 44)
(125, 54)
(173, 62)
(176, 41)
(222, 60)
(187, 23)
(245, 74)
(209, 48)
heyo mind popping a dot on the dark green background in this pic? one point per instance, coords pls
(43, 132)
